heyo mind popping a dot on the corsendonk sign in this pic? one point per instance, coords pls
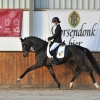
(79, 27)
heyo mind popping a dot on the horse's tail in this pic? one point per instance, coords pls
(91, 59)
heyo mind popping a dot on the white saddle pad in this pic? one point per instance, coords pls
(60, 52)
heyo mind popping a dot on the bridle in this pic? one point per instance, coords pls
(25, 44)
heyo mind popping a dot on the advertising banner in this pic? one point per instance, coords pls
(10, 22)
(79, 27)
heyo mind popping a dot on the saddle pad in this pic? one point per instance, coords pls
(48, 47)
(61, 51)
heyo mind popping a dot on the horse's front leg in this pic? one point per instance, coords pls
(53, 75)
(28, 70)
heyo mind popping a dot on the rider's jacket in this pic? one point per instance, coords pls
(57, 35)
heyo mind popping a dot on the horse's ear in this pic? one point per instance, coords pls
(21, 39)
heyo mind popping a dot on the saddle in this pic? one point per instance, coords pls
(59, 51)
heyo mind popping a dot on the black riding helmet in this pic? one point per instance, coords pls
(55, 19)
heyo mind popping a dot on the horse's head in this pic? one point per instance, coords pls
(26, 46)
(34, 42)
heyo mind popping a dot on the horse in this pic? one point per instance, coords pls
(74, 55)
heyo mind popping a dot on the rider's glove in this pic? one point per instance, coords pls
(49, 38)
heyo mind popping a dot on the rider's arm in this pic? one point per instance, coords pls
(57, 32)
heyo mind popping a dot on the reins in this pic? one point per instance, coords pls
(37, 49)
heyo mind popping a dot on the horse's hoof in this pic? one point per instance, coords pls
(97, 86)
(71, 85)
(58, 88)
(18, 80)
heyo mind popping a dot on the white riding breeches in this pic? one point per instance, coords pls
(54, 46)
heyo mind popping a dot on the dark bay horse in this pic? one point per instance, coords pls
(74, 55)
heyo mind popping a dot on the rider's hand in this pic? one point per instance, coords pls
(49, 38)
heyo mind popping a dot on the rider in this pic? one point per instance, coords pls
(56, 31)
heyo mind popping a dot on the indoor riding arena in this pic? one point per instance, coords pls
(80, 23)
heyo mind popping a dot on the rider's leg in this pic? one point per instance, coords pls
(53, 53)
(54, 45)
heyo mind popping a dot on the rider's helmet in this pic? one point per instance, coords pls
(55, 19)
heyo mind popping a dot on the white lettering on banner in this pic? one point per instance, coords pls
(7, 22)
(7, 31)
(12, 14)
(16, 22)
(0, 26)
(16, 30)
(80, 27)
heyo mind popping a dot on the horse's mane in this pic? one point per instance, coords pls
(36, 38)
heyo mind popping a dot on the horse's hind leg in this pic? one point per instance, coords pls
(53, 75)
(91, 75)
(78, 71)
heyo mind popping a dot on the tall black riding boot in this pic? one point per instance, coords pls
(55, 60)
